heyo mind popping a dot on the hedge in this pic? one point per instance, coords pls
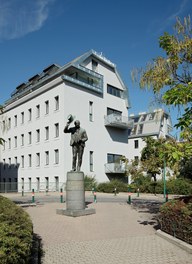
(16, 233)
(176, 218)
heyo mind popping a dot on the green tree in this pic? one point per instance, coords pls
(171, 76)
(152, 160)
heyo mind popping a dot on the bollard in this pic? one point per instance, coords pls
(95, 197)
(22, 190)
(138, 192)
(33, 196)
(129, 196)
(61, 195)
(166, 197)
(115, 191)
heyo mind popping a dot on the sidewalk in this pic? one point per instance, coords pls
(115, 234)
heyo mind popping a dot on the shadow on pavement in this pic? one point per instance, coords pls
(150, 208)
(37, 252)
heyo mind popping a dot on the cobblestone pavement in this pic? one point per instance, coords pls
(115, 234)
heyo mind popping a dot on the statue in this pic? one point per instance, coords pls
(78, 138)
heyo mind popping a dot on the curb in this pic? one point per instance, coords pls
(187, 247)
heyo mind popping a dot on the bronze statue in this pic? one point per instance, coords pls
(78, 138)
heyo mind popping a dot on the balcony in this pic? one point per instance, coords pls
(119, 121)
(84, 77)
(115, 168)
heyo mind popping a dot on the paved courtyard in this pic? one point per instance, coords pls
(117, 233)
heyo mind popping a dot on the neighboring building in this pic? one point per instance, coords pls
(156, 124)
(36, 153)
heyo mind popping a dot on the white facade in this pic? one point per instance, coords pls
(36, 151)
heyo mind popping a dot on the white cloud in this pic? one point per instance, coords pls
(20, 17)
(180, 10)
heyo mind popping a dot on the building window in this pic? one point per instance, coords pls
(57, 130)
(9, 143)
(9, 123)
(37, 111)
(140, 130)
(112, 158)
(136, 143)
(143, 117)
(38, 135)
(114, 91)
(46, 107)
(16, 163)
(22, 118)
(94, 65)
(90, 111)
(30, 160)
(113, 111)
(22, 139)
(46, 157)
(91, 160)
(47, 183)
(30, 114)
(56, 183)
(15, 118)
(37, 159)
(56, 102)
(151, 116)
(46, 133)
(38, 183)
(9, 163)
(30, 137)
(56, 151)
(3, 144)
(4, 164)
(29, 184)
(15, 141)
(4, 125)
(22, 161)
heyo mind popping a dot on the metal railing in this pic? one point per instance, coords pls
(6, 187)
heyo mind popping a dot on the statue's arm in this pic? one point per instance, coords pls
(67, 129)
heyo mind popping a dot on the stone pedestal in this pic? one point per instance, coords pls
(75, 196)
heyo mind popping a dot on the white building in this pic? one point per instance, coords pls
(156, 124)
(36, 153)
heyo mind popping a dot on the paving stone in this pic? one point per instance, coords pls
(112, 235)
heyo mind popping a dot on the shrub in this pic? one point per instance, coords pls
(90, 183)
(179, 186)
(176, 218)
(109, 187)
(15, 233)
(173, 186)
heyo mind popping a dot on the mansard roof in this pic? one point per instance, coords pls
(54, 70)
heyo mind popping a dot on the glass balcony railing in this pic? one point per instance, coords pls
(119, 121)
(96, 88)
(115, 168)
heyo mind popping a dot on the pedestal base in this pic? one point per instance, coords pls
(76, 213)
(75, 196)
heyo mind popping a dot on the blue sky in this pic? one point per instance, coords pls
(37, 33)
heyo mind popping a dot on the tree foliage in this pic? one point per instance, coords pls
(152, 160)
(171, 76)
